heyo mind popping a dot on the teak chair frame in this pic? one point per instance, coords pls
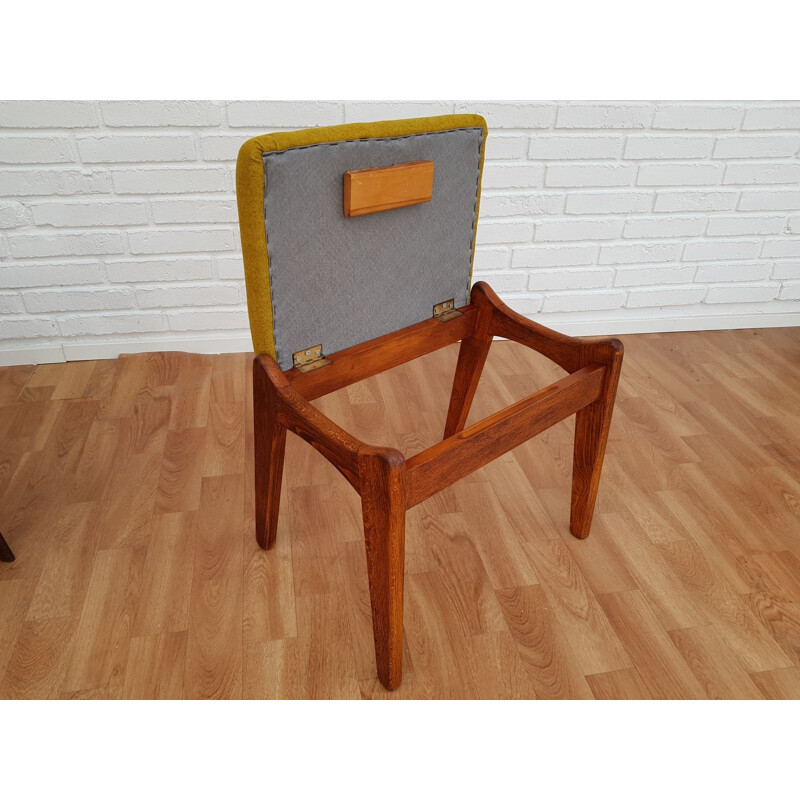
(388, 482)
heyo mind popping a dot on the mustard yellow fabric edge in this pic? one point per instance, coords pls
(250, 198)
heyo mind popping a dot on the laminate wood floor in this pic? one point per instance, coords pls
(127, 496)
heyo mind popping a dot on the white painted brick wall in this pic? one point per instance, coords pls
(118, 225)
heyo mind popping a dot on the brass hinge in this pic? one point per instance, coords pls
(310, 359)
(446, 311)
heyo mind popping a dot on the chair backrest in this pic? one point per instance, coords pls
(317, 276)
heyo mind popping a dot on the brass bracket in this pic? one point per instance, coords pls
(310, 359)
(446, 311)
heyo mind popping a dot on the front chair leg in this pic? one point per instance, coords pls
(591, 433)
(383, 502)
(269, 446)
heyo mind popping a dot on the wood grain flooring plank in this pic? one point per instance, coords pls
(15, 598)
(782, 620)
(163, 604)
(598, 562)
(214, 646)
(709, 533)
(63, 582)
(231, 376)
(95, 467)
(547, 459)
(549, 660)
(493, 536)
(13, 381)
(74, 380)
(776, 574)
(15, 481)
(497, 668)
(463, 576)
(316, 665)
(692, 567)
(64, 446)
(128, 501)
(359, 609)
(106, 693)
(39, 660)
(100, 651)
(34, 514)
(744, 530)
(269, 595)
(575, 606)
(102, 379)
(435, 647)
(727, 611)
(714, 664)
(189, 397)
(778, 684)
(224, 453)
(155, 667)
(621, 684)
(7, 417)
(129, 379)
(181, 471)
(26, 420)
(315, 554)
(653, 653)
(521, 503)
(46, 375)
(655, 577)
(344, 505)
(265, 674)
(144, 431)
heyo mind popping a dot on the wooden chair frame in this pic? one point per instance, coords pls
(389, 483)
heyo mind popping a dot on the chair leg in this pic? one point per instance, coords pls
(5, 550)
(383, 502)
(471, 358)
(591, 433)
(269, 447)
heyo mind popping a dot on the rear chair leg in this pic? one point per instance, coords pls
(471, 358)
(591, 433)
(383, 502)
(269, 446)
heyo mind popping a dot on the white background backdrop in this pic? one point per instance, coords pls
(118, 224)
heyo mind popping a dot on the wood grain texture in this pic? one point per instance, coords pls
(214, 644)
(388, 484)
(383, 353)
(691, 566)
(367, 191)
(269, 443)
(382, 479)
(471, 357)
(464, 452)
(621, 684)
(592, 424)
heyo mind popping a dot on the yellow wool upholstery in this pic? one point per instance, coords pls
(250, 198)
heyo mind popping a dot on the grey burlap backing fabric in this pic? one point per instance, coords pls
(339, 281)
